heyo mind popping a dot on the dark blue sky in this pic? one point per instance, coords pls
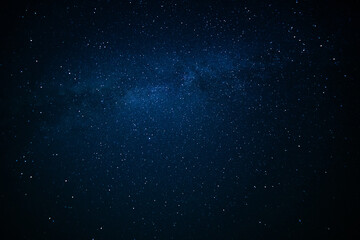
(179, 120)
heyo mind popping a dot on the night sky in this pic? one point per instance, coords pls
(179, 120)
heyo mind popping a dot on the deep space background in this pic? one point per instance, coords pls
(179, 119)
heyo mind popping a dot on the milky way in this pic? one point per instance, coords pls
(178, 120)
